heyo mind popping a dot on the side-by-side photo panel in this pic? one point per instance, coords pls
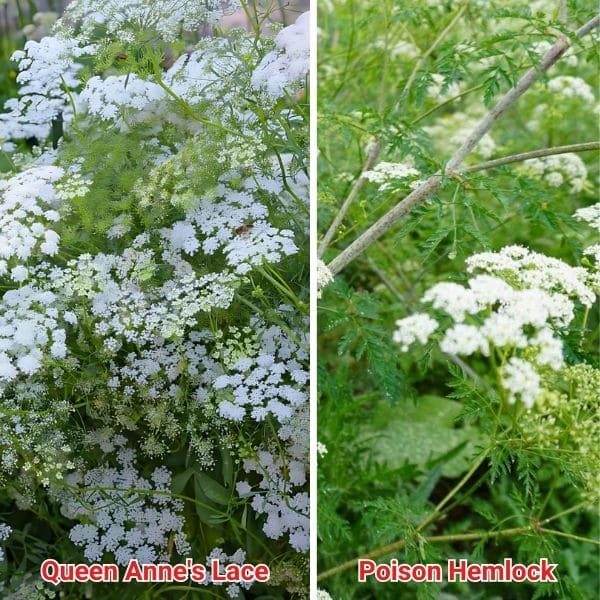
(154, 299)
(458, 338)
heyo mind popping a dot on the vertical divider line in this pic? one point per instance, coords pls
(313, 300)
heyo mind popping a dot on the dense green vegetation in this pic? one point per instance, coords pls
(482, 441)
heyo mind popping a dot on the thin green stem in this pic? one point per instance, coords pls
(187, 108)
(570, 536)
(444, 103)
(534, 527)
(423, 58)
(563, 513)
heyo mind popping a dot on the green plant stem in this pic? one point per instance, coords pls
(187, 109)
(534, 527)
(358, 183)
(81, 491)
(444, 103)
(430, 186)
(282, 287)
(499, 162)
(421, 61)
(476, 535)
(570, 536)
(460, 484)
(563, 513)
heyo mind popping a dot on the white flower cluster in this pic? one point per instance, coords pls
(109, 98)
(237, 558)
(157, 370)
(286, 508)
(594, 252)
(47, 75)
(33, 444)
(267, 375)
(567, 169)
(414, 328)
(28, 207)
(235, 225)
(590, 215)
(288, 64)
(321, 449)
(31, 327)
(269, 381)
(387, 174)
(125, 309)
(214, 74)
(522, 381)
(324, 277)
(517, 306)
(122, 19)
(124, 513)
(5, 532)
(572, 87)
(535, 271)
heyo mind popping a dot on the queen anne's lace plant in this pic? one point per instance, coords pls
(124, 513)
(267, 380)
(152, 281)
(32, 328)
(47, 75)
(287, 64)
(33, 444)
(111, 97)
(279, 497)
(28, 213)
(237, 558)
(127, 18)
(125, 310)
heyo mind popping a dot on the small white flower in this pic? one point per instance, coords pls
(417, 327)
(321, 449)
(522, 381)
(590, 215)
(324, 277)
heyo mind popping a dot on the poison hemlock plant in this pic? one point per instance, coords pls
(459, 232)
(154, 298)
